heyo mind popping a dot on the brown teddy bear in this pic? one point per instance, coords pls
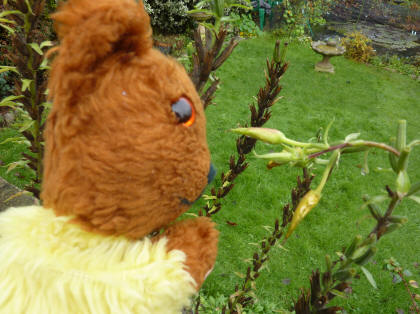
(125, 156)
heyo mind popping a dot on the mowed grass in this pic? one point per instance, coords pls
(361, 99)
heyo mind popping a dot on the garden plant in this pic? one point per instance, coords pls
(329, 289)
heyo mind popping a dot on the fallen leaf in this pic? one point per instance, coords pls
(416, 265)
(414, 284)
(400, 311)
(230, 223)
(417, 297)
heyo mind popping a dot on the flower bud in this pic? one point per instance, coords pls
(403, 183)
(402, 163)
(398, 219)
(401, 135)
(308, 201)
(362, 260)
(350, 250)
(345, 274)
(271, 136)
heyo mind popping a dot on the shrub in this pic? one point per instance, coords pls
(358, 47)
(169, 17)
(244, 25)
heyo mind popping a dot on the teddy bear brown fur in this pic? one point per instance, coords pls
(117, 159)
(116, 156)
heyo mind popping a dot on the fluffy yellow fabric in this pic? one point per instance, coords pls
(51, 266)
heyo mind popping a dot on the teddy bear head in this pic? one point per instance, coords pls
(126, 149)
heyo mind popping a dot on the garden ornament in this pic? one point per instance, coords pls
(328, 50)
(125, 156)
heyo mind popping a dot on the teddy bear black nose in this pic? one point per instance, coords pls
(211, 174)
(210, 177)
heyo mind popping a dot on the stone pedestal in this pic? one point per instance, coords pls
(11, 196)
(324, 65)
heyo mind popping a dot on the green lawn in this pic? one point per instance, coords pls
(361, 99)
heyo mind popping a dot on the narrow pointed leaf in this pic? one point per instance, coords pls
(8, 28)
(36, 47)
(369, 277)
(5, 68)
(26, 84)
(351, 137)
(415, 198)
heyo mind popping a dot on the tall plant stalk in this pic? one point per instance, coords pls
(21, 19)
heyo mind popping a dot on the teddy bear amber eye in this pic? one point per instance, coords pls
(184, 111)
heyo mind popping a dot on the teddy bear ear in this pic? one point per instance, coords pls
(91, 30)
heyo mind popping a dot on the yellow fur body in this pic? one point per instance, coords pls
(48, 265)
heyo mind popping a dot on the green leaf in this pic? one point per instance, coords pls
(46, 43)
(375, 200)
(16, 140)
(5, 68)
(414, 188)
(7, 21)
(415, 198)
(10, 98)
(8, 28)
(26, 84)
(369, 277)
(16, 164)
(47, 104)
(338, 293)
(351, 137)
(8, 12)
(26, 125)
(327, 130)
(36, 47)
(44, 65)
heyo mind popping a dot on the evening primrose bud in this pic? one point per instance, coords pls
(308, 201)
(350, 250)
(373, 208)
(398, 219)
(362, 260)
(402, 163)
(392, 157)
(403, 183)
(401, 135)
(345, 274)
(271, 136)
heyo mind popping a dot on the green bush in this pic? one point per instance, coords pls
(170, 16)
(358, 47)
(6, 85)
(244, 26)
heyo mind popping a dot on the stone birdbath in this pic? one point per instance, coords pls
(328, 49)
